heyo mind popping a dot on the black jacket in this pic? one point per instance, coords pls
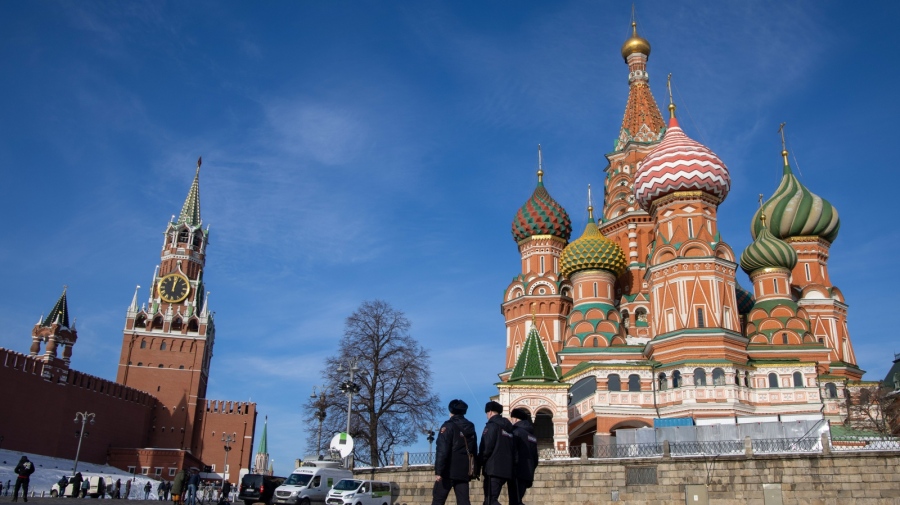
(24, 469)
(526, 450)
(497, 450)
(451, 457)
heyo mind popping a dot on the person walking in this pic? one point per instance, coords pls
(85, 487)
(160, 490)
(179, 484)
(454, 456)
(128, 489)
(166, 490)
(226, 492)
(23, 473)
(193, 483)
(118, 491)
(496, 452)
(76, 484)
(526, 456)
(147, 488)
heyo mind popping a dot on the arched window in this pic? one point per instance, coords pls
(613, 382)
(641, 315)
(830, 390)
(143, 344)
(181, 367)
(699, 377)
(183, 237)
(193, 326)
(746, 379)
(582, 389)
(737, 378)
(773, 380)
(176, 324)
(701, 322)
(160, 365)
(634, 382)
(625, 320)
(157, 322)
(140, 363)
(784, 338)
(141, 321)
(676, 379)
(718, 377)
(162, 346)
(596, 342)
(663, 383)
(798, 380)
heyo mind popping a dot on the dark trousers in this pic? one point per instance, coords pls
(442, 489)
(516, 488)
(21, 483)
(492, 488)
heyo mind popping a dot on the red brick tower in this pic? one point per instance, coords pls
(58, 336)
(168, 342)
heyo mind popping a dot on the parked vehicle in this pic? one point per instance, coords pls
(257, 488)
(311, 482)
(361, 492)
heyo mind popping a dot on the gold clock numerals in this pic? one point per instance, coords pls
(173, 288)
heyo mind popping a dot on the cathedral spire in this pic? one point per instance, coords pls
(534, 363)
(190, 211)
(642, 122)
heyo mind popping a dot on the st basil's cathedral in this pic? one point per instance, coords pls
(641, 317)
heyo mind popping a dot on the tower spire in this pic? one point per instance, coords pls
(671, 100)
(190, 211)
(784, 152)
(590, 205)
(540, 165)
(60, 312)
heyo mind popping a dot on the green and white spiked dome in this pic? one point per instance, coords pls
(767, 251)
(541, 214)
(794, 211)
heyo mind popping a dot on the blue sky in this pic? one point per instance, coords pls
(362, 150)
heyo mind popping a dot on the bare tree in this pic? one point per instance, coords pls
(394, 401)
(875, 407)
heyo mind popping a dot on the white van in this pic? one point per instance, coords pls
(360, 492)
(310, 483)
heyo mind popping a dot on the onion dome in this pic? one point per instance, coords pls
(541, 214)
(745, 299)
(767, 251)
(680, 163)
(635, 44)
(794, 211)
(592, 251)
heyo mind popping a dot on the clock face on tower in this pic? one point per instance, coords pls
(173, 288)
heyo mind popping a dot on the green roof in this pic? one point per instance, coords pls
(263, 441)
(533, 363)
(60, 310)
(190, 211)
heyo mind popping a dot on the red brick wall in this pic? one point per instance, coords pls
(217, 417)
(38, 413)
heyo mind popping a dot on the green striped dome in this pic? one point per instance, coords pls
(541, 215)
(767, 251)
(794, 211)
(592, 251)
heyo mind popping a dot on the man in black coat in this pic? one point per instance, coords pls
(526, 455)
(23, 473)
(456, 442)
(496, 452)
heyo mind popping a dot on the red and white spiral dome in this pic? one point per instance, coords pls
(680, 163)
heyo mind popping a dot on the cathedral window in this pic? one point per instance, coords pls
(634, 382)
(176, 324)
(746, 379)
(596, 342)
(160, 365)
(701, 323)
(625, 318)
(718, 377)
(641, 314)
(140, 363)
(784, 338)
(663, 383)
(773, 380)
(676, 379)
(613, 382)
(542, 265)
(143, 344)
(181, 367)
(806, 267)
(690, 223)
(699, 377)
(595, 290)
(726, 317)
(798, 380)
(830, 390)
(670, 320)
(162, 346)
(775, 285)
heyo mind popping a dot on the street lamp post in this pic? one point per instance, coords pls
(430, 441)
(348, 387)
(85, 417)
(228, 439)
(320, 415)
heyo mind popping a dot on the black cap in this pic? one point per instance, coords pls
(458, 407)
(520, 413)
(493, 407)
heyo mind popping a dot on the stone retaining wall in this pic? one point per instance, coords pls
(809, 479)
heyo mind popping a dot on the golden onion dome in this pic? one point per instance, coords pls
(635, 44)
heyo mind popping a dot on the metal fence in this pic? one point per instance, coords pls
(421, 458)
(787, 445)
(707, 448)
(865, 444)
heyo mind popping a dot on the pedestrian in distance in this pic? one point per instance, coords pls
(128, 489)
(118, 491)
(161, 491)
(23, 473)
(7, 488)
(455, 456)
(166, 490)
(63, 483)
(147, 488)
(526, 456)
(496, 452)
(85, 487)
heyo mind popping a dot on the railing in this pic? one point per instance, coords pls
(693, 448)
(865, 443)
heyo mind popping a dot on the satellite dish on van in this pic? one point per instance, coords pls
(343, 444)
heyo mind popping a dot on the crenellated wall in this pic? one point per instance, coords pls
(45, 400)
(235, 419)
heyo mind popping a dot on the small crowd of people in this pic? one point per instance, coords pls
(507, 455)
